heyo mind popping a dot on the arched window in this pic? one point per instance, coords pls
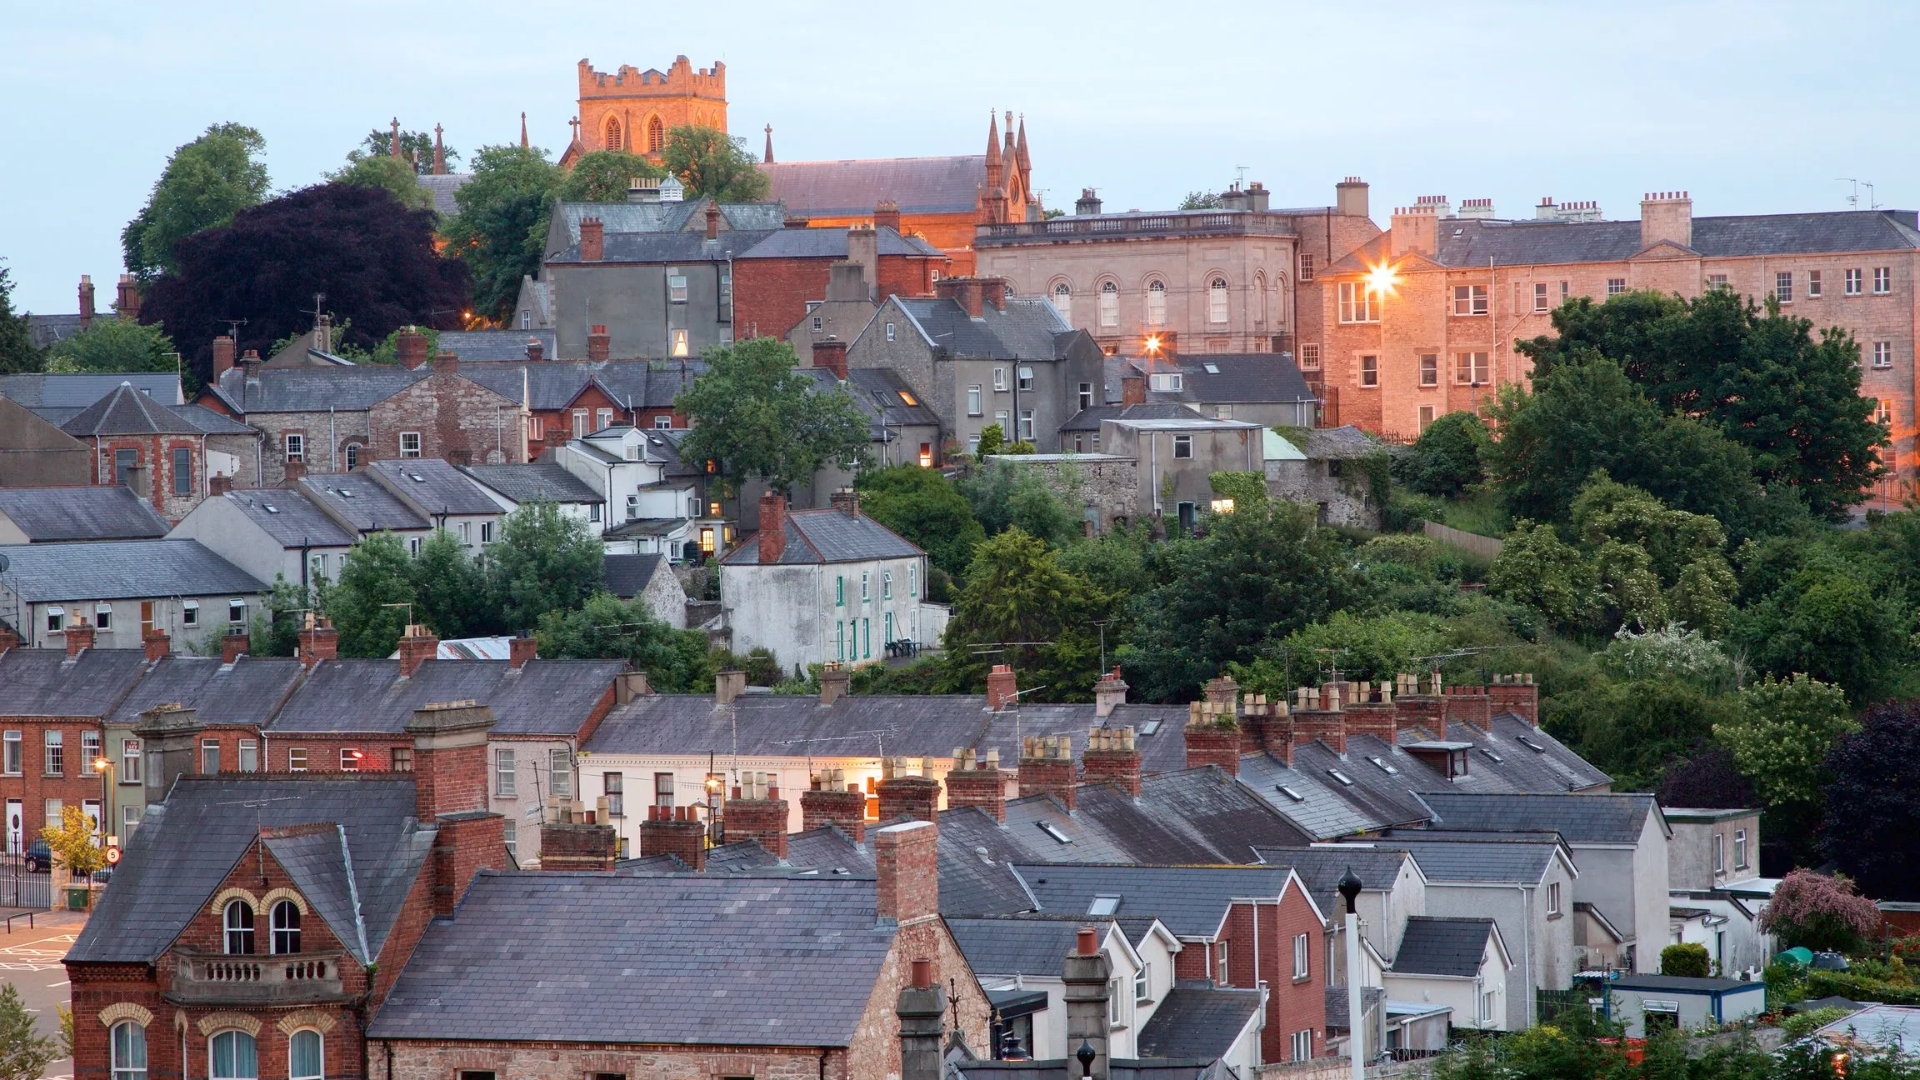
(1109, 304)
(656, 135)
(306, 1056)
(231, 1055)
(1217, 301)
(1063, 301)
(613, 134)
(1260, 299)
(1156, 303)
(239, 927)
(286, 927)
(129, 1051)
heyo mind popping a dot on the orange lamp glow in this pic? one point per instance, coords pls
(1382, 279)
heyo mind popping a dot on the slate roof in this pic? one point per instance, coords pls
(882, 388)
(1436, 946)
(208, 421)
(552, 385)
(127, 411)
(496, 346)
(1469, 242)
(47, 330)
(1196, 1023)
(1241, 377)
(1336, 1002)
(1023, 329)
(1466, 860)
(545, 697)
(442, 187)
(1191, 900)
(44, 682)
(617, 958)
(246, 691)
(315, 389)
(534, 480)
(364, 504)
(319, 863)
(627, 575)
(122, 570)
(1191, 816)
(289, 517)
(1022, 945)
(1581, 819)
(186, 846)
(688, 214)
(828, 536)
(89, 512)
(666, 247)
(1090, 419)
(920, 185)
(832, 244)
(437, 486)
(1681, 983)
(1321, 869)
(77, 391)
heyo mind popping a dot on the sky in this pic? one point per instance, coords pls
(1753, 107)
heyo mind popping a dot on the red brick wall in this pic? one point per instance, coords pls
(465, 844)
(76, 782)
(770, 295)
(323, 751)
(917, 797)
(764, 820)
(1292, 1004)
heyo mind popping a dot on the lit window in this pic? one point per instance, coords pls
(706, 539)
(1369, 371)
(1429, 369)
(1469, 300)
(1783, 286)
(296, 447)
(1357, 304)
(1310, 356)
(907, 398)
(1470, 368)
(409, 444)
(1217, 301)
(679, 343)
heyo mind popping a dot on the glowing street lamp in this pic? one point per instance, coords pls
(1153, 345)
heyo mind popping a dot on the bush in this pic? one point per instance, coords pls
(1445, 459)
(1687, 959)
(1820, 912)
(1801, 1025)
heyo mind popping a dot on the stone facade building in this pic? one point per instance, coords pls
(632, 110)
(170, 455)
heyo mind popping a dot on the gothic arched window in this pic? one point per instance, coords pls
(613, 134)
(656, 135)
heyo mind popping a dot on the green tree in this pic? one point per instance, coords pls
(389, 173)
(76, 843)
(276, 630)
(17, 353)
(1445, 459)
(712, 165)
(1654, 562)
(24, 1054)
(926, 508)
(1688, 960)
(1005, 494)
(1757, 375)
(1020, 607)
(1833, 621)
(375, 573)
(607, 628)
(1780, 733)
(114, 345)
(605, 176)
(1537, 568)
(205, 183)
(993, 440)
(544, 561)
(757, 416)
(1631, 729)
(450, 589)
(1363, 647)
(501, 228)
(1228, 596)
(1199, 200)
(416, 149)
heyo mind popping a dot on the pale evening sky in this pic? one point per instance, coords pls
(1753, 107)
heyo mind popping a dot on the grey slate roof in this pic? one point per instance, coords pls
(1321, 869)
(77, 391)
(545, 697)
(44, 682)
(616, 958)
(1581, 819)
(208, 421)
(443, 187)
(1191, 900)
(320, 866)
(46, 330)
(876, 388)
(315, 389)
(829, 536)
(1023, 329)
(122, 570)
(246, 691)
(1468, 242)
(127, 411)
(1089, 419)
(920, 185)
(1466, 860)
(186, 846)
(1241, 377)
(1198, 1023)
(289, 517)
(627, 575)
(496, 346)
(642, 384)
(534, 480)
(1436, 946)
(364, 504)
(832, 244)
(688, 214)
(439, 487)
(92, 512)
(1020, 945)
(665, 247)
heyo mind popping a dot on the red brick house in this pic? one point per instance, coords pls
(168, 454)
(52, 707)
(257, 920)
(778, 280)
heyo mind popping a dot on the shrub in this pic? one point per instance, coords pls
(1688, 959)
(1820, 912)
(1445, 459)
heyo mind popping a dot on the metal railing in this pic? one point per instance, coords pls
(21, 888)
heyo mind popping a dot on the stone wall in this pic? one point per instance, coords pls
(1107, 484)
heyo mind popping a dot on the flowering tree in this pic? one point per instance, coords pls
(1820, 912)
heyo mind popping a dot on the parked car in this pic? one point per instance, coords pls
(39, 857)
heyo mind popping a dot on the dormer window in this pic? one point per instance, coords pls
(286, 928)
(1456, 764)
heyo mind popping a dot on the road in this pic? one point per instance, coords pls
(30, 961)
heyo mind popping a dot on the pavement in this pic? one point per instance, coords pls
(30, 960)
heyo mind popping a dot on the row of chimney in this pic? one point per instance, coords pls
(126, 303)
(318, 641)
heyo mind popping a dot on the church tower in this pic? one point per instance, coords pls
(633, 110)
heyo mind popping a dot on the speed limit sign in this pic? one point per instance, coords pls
(113, 856)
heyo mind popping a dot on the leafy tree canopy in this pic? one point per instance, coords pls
(1445, 459)
(758, 417)
(450, 590)
(375, 573)
(1362, 647)
(112, 345)
(1199, 200)
(1020, 607)
(372, 259)
(605, 176)
(544, 561)
(712, 165)
(24, 1053)
(1834, 620)
(501, 229)
(1780, 733)
(607, 628)
(416, 149)
(1632, 729)
(1819, 912)
(206, 182)
(390, 174)
(1688, 960)
(17, 353)
(1873, 802)
(276, 630)
(926, 508)
(1005, 494)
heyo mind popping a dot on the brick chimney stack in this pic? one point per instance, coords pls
(905, 858)
(676, 831)
(1516, 694)
(417, 646)
(1350, 197)
(886, 215)
(1318, 716)
(599, 343)
(450, 794)
(1370, 711)
(905, 792)
(1664, 215)
(1416, 228)
(318, 641)
(127, 303)
(522, 649)
(447, 363)
(1003, 689)
(536, 352)
(1468, 705)
(579, 846)
(829, 801)
(1046, 768)
(846, 500)
(79, 637)
(969, 293)
(773, 527)
(9, 639)
(1109, 694)
(835, 681)
(1133, 389)
(410, 347)
(234, 646)
(1112, 758)
(831, 355)
(1213, 737)
(977, 781)
(593, 240)
(86, 301)
(921, 1008)
(713, 220)
(222, 356)
(757, 812)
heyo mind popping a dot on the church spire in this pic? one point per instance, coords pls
(523, 131)
(393, 145)
(439, 154)
(1026, 163)
(768, 159)
(1011, 155)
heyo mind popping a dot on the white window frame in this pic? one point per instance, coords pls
(1357, 303)
(1541, 301)
(279, 933)
(296, 759)
(1470, 300)
(1310, 356)
(246, 756)
(560, 773)
(1616, 286)
(506, 777)
(295, 446)
(1109, 305)
(1553, 898)
(1368, 365)
(1783, 286)
(1425, 420)
(235, 1035)
(1183, 446)
(56, 619)
(1156, 303)
(409, 444)
(237, 610)
(1854, 282)
(975, 399)
(130, 759)
(890, 332)
(1471, 369)
(1301, 1044)
(13, 763)
(1739, 849)
(1813, 285)
(136, 1048)
(189, 613)
(1883, 354)
(1306, 266)
(1882, 280)
(1063, 301)
(103, 616)
(1302, 957)
(53, 754)
(1429, 369)
(677, 288)
(1217, 297)
(999, 379)
(321, 1041)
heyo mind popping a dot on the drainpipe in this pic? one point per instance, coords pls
(1526, 948)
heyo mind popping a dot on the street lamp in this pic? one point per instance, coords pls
(1350, 890)
(105, 768)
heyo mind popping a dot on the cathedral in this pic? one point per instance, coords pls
(632, 110)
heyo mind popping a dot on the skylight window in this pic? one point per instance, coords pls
(1491, 756)
(1212, 369)
(1531, 745)
(416, 478)
(1104, 905)
(1050, 830)
(1149, 727)
(1290, 793)
(271, 509)
(906, 398)
(1384, 765)
(1340, 776)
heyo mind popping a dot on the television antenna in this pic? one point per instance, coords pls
(1853, 200)
(233, 327)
